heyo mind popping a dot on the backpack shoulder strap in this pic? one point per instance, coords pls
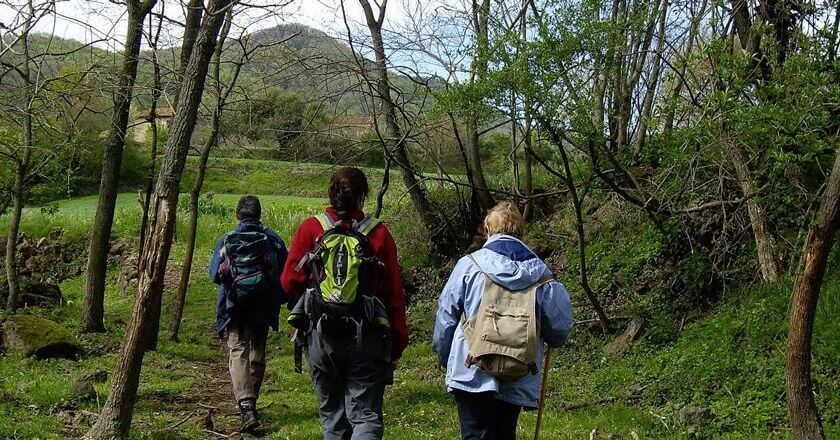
(326, 221)
(367, 225)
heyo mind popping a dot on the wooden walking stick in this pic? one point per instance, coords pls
(543, 389)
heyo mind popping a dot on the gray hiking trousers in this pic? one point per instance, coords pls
(349, 383)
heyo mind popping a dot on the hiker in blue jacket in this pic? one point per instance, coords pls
(247, 264)
(488, 409)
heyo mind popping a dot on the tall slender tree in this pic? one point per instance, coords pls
(115, 419)
(93, 308)
(395, 140)
(22, 154)
(221, 92)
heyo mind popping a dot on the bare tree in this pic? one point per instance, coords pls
(115, 419)
(22, 154)
(94, 301)
(395, 139)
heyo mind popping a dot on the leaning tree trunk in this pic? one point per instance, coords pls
(192, 21)
(804, 418)
(201, 172)
(581, 235)
(415, 188)
(192, 227)
(765, 245)
(115, 418)
(93, 307)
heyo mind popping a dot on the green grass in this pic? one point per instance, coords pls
(731, 360)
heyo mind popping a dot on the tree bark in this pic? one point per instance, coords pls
(115, 418)
(192, 21)
(93, 307)
(156, 92)
(804, 418)
(21, 168)
(765, 244)
(415, 188)
(478, 69)
(652, 83)
(579, 226)
(201, 172)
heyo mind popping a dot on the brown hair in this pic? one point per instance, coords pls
(503, 218)
(347, 186)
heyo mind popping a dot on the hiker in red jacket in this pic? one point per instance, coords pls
(342, 273)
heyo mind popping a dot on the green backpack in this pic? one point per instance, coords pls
(342, 265)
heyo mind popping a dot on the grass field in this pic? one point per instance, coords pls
(731, 363)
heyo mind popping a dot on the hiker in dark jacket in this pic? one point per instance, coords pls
(245, 311)
(489, 408)
(350, 359)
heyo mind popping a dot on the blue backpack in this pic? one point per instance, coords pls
(253, 266)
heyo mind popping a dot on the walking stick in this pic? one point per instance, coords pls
(543, 389)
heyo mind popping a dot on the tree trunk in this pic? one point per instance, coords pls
(156, 92)
(653, 82)
(528, 174)
(570, 183)
(415, 188)
(804, 418)
(478, 69)
(192, 227)
(14, 224)
(201, 172)
(21, 168)
(668, 125)
(765, 245)
(93, 307)
(115, 419)
(192, 21)
(527, 160)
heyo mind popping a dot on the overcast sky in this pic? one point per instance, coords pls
(94, 20)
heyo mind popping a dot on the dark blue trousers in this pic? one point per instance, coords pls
(483, 417)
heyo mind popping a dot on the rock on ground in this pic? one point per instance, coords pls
(630, 335)
(693, 417)
(35, 293)
(39, 337)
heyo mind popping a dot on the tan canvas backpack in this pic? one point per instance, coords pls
(503, 336)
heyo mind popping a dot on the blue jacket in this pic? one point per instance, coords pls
(510, 263)
(225, 310)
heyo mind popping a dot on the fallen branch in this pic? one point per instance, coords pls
(569, 406)
(217, 433)
(595, 321)
(184, 420)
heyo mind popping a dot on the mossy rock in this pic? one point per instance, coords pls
(38, 337)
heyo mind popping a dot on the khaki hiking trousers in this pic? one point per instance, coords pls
(246, 351)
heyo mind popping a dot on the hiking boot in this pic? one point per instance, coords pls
(249, 419)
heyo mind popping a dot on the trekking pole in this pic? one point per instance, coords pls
(543, 389)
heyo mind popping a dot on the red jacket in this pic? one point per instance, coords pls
(387, 286)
